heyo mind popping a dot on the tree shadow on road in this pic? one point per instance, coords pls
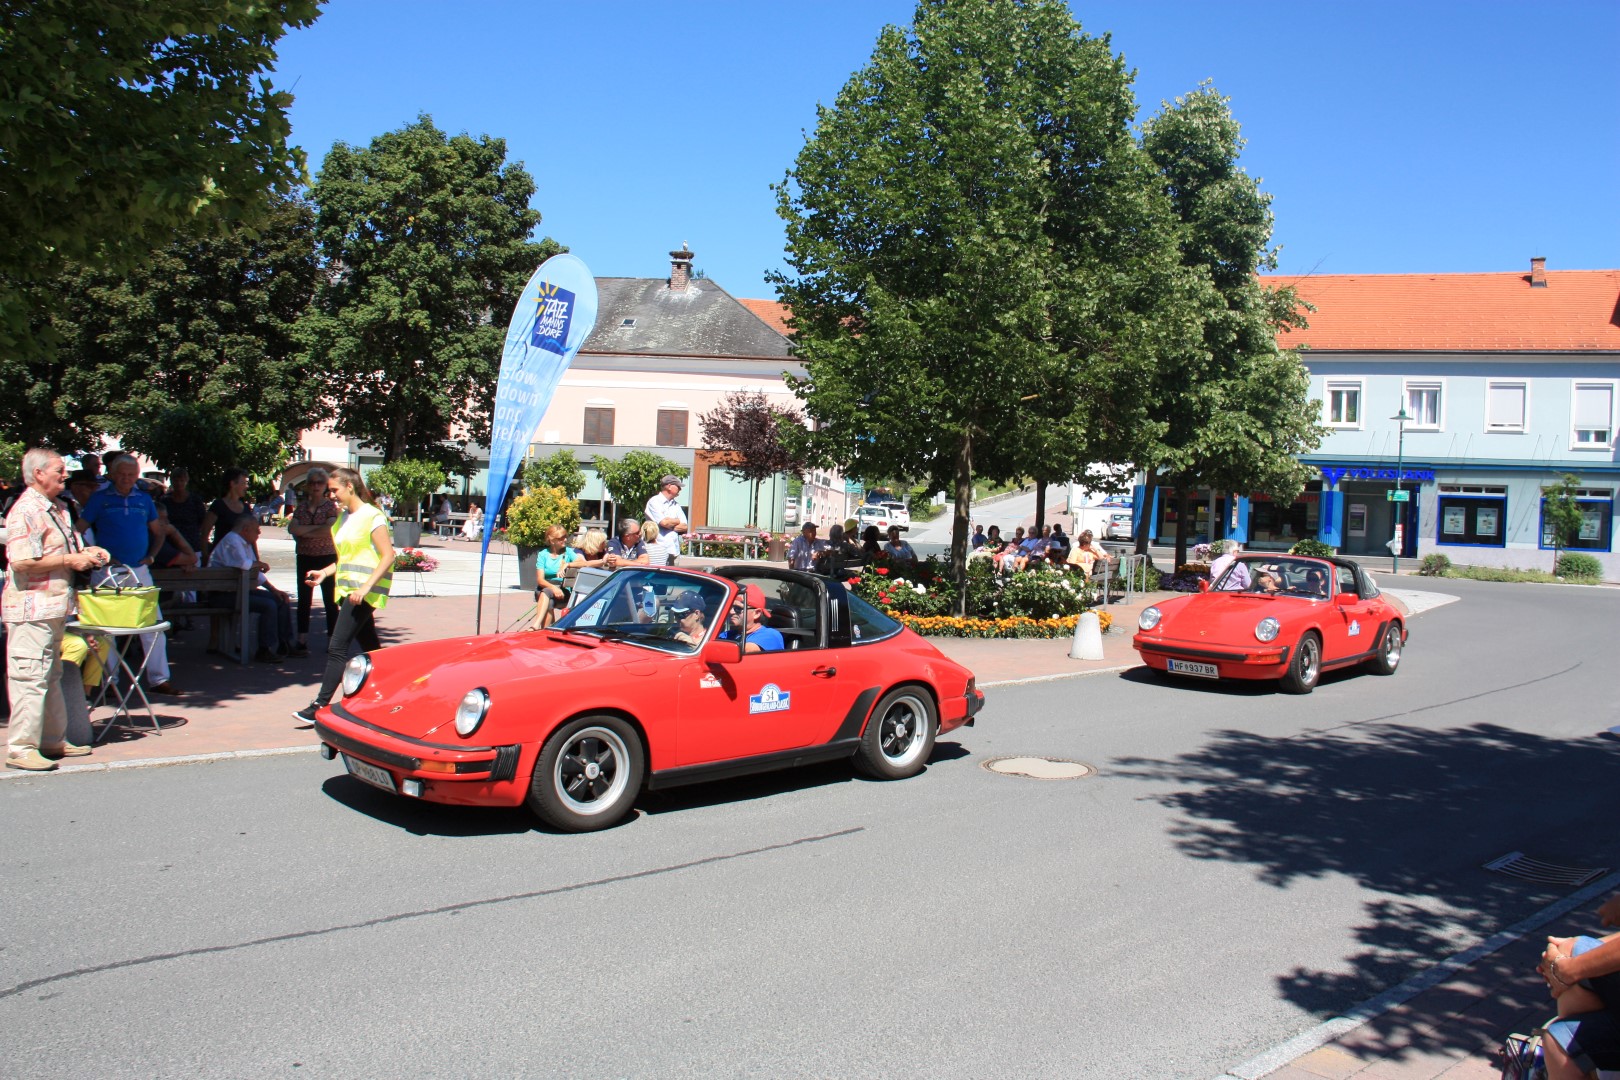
(1403, 811)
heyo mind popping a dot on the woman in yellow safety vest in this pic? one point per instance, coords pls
(364, 570)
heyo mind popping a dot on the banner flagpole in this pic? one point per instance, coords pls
(553, 316)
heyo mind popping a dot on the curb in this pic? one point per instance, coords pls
(152, 763)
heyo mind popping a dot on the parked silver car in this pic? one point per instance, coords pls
(1118, 527)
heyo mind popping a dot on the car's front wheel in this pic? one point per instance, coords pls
(588, 774)
(1305, 666)
(899, 736)
(1388, 656)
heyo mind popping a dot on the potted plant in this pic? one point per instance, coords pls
(407, 481)
(527, 520)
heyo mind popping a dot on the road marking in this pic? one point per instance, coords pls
(444, 909)
(1374, 1007)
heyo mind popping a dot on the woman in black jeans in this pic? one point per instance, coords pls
(311, 528)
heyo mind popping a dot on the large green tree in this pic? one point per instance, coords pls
(425, 241)
(122, 122)
(1234, 408)
(980, 254)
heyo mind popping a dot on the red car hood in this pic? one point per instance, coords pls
(1221, 616)
(414, 689)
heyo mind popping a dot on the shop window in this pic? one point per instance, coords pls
(1597, 521)
(598, 427)
(1593, 416)
(1423, 405)
(1343, 404)
(1470, 520)
(671, 427)
(1505, 406)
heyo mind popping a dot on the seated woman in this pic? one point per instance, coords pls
(1267, 580)
(473, 527)
(1087, 555)
(593, 548)
(839, 555)
(550, 562)
(1583, 975)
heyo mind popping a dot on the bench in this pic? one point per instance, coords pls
(452, 527)
(210, 584)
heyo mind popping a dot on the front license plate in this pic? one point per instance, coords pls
(369, 773)
(1193, 667)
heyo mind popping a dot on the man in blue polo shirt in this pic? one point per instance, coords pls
(126, 523)
(757, 637)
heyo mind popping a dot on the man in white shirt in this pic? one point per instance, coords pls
(1240, 577)
(270, 604)
(665, 509)
(805, 547)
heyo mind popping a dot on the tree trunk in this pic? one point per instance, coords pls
(754, 524)
(959, 527)
(1181, 527)
(1144, 524)
(1040, 504)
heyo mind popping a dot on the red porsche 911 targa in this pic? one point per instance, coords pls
(644, 683)
(1283, 617)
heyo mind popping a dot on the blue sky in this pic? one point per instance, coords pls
(1421, 136)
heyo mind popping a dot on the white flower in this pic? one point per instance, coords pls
(921, 591)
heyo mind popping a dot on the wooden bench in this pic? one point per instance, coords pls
(211, 584)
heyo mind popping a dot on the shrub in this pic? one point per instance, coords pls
(1313, 548)
(1575, 564)
(1434, 565)
(535, 511)
(407, 481)
(414, 559)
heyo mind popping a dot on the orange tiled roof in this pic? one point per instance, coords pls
(773, 312)
(1578, 311)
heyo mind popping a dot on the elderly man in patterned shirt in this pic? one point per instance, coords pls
(43, 553)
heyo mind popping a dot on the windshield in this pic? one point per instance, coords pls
(1276, 576)
(655, 608)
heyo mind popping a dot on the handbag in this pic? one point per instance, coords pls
(1521, 1058)
(119, 601)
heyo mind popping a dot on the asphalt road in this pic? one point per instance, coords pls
(1243, 864)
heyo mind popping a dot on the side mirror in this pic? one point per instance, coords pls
(1346, 599)
(1203, 585)
(721, 652)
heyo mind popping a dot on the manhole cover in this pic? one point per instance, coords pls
(1518, 864)
(1040, 768)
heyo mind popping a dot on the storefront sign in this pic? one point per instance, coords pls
(1332, 474)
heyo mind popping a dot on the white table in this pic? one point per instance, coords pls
(111, 685)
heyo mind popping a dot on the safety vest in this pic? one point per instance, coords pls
(356, 555)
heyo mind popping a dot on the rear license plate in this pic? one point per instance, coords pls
(372, 775)
(1193, 667)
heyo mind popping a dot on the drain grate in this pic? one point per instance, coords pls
(1518, 864)
(1040, 768)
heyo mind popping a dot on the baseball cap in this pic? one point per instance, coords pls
(670, 478)
(688, 604)
(755, 597)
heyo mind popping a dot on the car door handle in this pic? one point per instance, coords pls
(825, 672)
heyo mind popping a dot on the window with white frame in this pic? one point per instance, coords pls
(1592, 413)
(1343, 403)
(1423, 405)
(1505, 405)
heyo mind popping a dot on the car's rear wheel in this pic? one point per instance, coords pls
(1388, 656)
(588, 774)
(1305, 665)
(899, 736)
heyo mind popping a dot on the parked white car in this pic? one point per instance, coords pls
(898, 515)
(790, 512)
(1118, 527)
(873, 514)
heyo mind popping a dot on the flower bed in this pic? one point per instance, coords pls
(743, 544)
(1018, 626)
(414, 560)
(1040, 603)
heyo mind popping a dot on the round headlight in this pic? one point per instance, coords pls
(355, 672)
(470, 713)
(1266, 629)
(1149, 618)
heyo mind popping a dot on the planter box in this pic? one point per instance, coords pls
(407, 533)
(528, 573)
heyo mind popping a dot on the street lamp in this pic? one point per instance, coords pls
(1400, 461)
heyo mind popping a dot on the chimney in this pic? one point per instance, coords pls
(680, 268)
(1538, 272)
